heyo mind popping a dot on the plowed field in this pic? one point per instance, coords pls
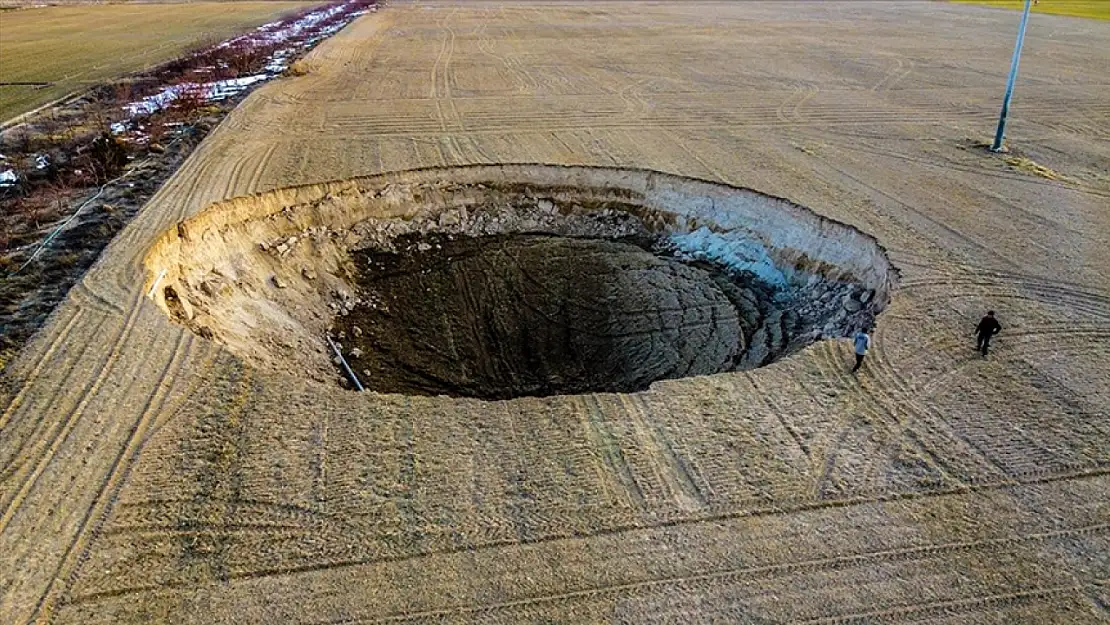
(148, 474)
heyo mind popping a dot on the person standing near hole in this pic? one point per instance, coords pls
(987, 328)
(863, 343)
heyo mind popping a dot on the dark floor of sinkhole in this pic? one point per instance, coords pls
(506, 316)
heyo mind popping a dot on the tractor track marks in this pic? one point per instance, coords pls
(639, 522)
(78, 551)
(46, 449)
(742, 574)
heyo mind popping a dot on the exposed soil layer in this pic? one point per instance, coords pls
(502, 316)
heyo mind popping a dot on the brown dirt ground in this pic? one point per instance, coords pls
(147, 475)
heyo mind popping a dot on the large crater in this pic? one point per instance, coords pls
(504, 281)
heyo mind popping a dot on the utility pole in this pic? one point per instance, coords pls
(997, 145)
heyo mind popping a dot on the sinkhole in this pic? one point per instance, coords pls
(495, 282)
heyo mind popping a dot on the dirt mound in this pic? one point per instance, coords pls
(497, 282)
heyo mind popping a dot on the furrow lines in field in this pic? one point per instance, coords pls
(44, 409)
(661, 521)
(917, 612)
(45, 448)
(741, 574)
(77, 552)
(60, 338)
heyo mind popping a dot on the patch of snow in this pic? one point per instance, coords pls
(209, 91)
(273, 33)
(735, 249)
(8, 178)
(278, 32)
(42, 161)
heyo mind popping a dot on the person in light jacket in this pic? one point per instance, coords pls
(863, 343)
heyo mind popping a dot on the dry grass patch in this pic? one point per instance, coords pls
(1030, 166)
(1097, 9)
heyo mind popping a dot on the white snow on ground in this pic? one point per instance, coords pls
(210, 92)
(8, 178)
(736, 250)
(278, 61)
(276, 32)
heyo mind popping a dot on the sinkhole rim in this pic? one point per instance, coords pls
(219, 272)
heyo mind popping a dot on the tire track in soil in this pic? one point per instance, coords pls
(998, 173)
(612, 452)
(17, 458)
(510, 121)
(677, 141)
(906, 395)
(741, 574)
(699, 463)
(439, 93)
(154, 514)
(139, 436)
(455, 120)
(673, 471)
(47, 448)
(826, 445)
(942, 229)
(886, 406)
(1015, 343)
(894, 75)
(898, 392)
(85, 296)
(661, 520)
(603, 462)
(231, 182)
(765, 398)
(917, 612)
(258, 170)
(993, 284)
(60, 338)
(78, 551)
(485, 46)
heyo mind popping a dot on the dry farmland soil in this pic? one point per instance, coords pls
(176, 445)
(48, 52)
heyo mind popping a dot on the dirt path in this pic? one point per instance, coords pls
(148, 476)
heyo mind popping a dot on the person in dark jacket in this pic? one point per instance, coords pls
(987, 328)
